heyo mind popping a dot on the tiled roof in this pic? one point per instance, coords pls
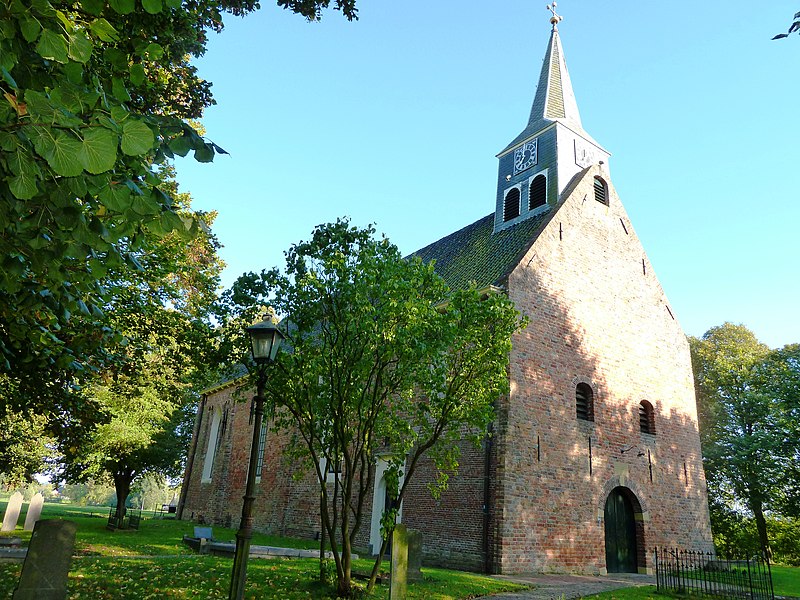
(475, 254)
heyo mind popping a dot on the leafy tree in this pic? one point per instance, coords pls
(383, 358)
(141, 397)
(95, 94)
(748, 396)
(145, 400)
(793, 28)
(24, 445)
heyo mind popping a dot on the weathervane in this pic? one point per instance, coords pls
(556, 18)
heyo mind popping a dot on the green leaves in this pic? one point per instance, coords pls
(98, 152)
(123, 7)
(93, 7)
(29, 27)
(104, 30)
(80, 47)
(23, 185)
(137, 74)
(137, 138)
(52, 46)
(60, 149)
(152, 6)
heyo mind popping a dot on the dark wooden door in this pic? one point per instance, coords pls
(620, 534)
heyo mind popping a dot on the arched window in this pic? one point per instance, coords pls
(212, 443)
(584, 402)
(647, 419)
(511, 204)
(600, 190)
(538, 192)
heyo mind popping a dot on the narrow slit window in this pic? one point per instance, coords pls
(600, 190)
(647, 421)
(538, 192)
(584, 402)
(511, 204)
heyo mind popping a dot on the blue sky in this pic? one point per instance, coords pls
(396, 120)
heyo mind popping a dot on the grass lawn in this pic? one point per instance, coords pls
(154, 563)
(786, 580)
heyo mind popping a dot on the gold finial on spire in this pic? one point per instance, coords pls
(556, 18)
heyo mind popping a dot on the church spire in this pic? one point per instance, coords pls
(537, 165)
(554, 96)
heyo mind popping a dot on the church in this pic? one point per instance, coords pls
(594, 458)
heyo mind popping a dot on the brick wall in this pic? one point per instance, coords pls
(597, 315)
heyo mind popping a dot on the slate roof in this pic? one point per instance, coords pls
(475, 254)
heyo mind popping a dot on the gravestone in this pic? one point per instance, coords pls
(45, 570)
(34, 511)
(414, 538)
(398, 586)
(12, 512)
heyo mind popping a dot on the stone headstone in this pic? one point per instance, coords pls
(34, 511)
(414, 538)
(398, 587)
(45, 570)
(12, 512)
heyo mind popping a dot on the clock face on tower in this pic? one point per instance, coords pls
(525, 156)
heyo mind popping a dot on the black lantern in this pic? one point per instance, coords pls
(265, 339)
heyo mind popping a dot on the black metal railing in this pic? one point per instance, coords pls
(702, 573)
(131, 520)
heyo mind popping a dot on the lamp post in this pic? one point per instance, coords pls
(265, 339)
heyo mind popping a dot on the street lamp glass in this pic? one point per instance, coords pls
(265, 339)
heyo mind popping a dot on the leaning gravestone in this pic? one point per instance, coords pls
(12, 512)
(414, 538)
(399, 582)
(34, 511)
(45, 570)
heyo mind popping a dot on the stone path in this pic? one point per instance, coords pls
(556, 587)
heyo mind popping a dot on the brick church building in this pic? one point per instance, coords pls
(594, 458)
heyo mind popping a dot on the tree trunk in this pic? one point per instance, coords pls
(344, 587)
(323, 517)
(761, 526)
(122, 487)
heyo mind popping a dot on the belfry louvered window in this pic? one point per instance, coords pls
(538, 192)
(511, 204)
(647, 419)
(584, 402)
(600, 190)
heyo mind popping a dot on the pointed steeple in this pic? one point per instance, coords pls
(540, 162)
(555, 98)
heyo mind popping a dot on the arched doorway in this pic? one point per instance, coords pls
(620, 526)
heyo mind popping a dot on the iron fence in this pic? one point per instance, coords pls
(131, 520)
(702, 573)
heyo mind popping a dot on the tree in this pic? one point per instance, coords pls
(24, 445)
(141, 396)
(747, 403)
(146, 402)
(95, 94)
(383, 357)
(793, 28)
